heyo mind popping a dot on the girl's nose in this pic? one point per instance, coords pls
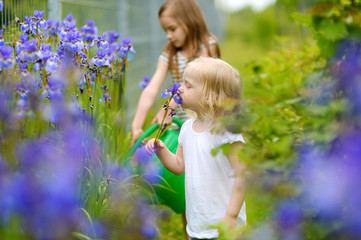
(180, 89)
(168, 35)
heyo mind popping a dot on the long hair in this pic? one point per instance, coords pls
(220, 82)
(190, 17)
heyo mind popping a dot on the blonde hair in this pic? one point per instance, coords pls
(221, 84)
(189, 16)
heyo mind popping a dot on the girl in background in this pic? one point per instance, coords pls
(215, 187)
(188, 37)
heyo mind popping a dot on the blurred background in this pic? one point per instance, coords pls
(300, 62)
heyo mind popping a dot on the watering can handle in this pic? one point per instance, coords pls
(151, 130)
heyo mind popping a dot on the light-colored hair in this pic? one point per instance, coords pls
(189, 16)
(221, 84)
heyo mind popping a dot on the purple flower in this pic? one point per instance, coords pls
(45, 52)
(99, 60)
(151, 172)
(40, 21)
(68, 28)
(29, 51)
(289, 215)
(102, 43)
(112, 36)
(44, 191)
(330, 179)
(1, 5)
(70, 39)
(2, 42)
(173, 92)
(5, 109)
(141, 155)
(6, 58)
(51, 64)
(52, 28)
(24, 26)
(89, 31)
(106, 97)
(148, 230)
(144, 83)
(69, 19)
(147, 216)
(126, 47)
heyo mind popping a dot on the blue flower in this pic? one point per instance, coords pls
(67, 27)
(1, 5)
(5, 109)
(289, 214)
(99, 60)
(141, 155)
(102, 43)
(45, 52)
(29, 51)
(144, 83)
(126, 47)
(52, 28)
(51, 64)
(147, 216)
(89, 31)
(2, 42)
(6, 58)
(112, 36)
(24, 26)
(39, 20)
(69, 19)
(54, 90)
(151, 172)
(106, 97)
(70, 39)
(173, 92)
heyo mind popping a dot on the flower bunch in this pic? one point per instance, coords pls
(61, 160)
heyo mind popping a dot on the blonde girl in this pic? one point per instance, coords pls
(214, 185)
(188, 38)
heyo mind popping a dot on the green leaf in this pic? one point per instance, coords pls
(327, 47)
(305, 19)
(332, 30)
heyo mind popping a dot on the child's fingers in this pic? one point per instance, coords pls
(160, 144)
(149, 147)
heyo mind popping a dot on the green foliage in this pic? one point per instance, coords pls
(292, 99)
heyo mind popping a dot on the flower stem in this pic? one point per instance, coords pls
(161, 128)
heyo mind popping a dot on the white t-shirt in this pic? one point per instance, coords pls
(208, 180)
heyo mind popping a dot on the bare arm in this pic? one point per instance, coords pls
(239, 186)
(147, 99)
(173, 162)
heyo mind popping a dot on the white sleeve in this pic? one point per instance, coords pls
(163, 58)
(229, 137)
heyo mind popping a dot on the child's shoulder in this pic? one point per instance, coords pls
(188, 123)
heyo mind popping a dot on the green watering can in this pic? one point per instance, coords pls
(170, 190)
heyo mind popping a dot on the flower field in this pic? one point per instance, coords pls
(64, 147)
(63, 138)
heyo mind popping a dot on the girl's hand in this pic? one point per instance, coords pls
(159, 117)
(153, 146)
(136, 133)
